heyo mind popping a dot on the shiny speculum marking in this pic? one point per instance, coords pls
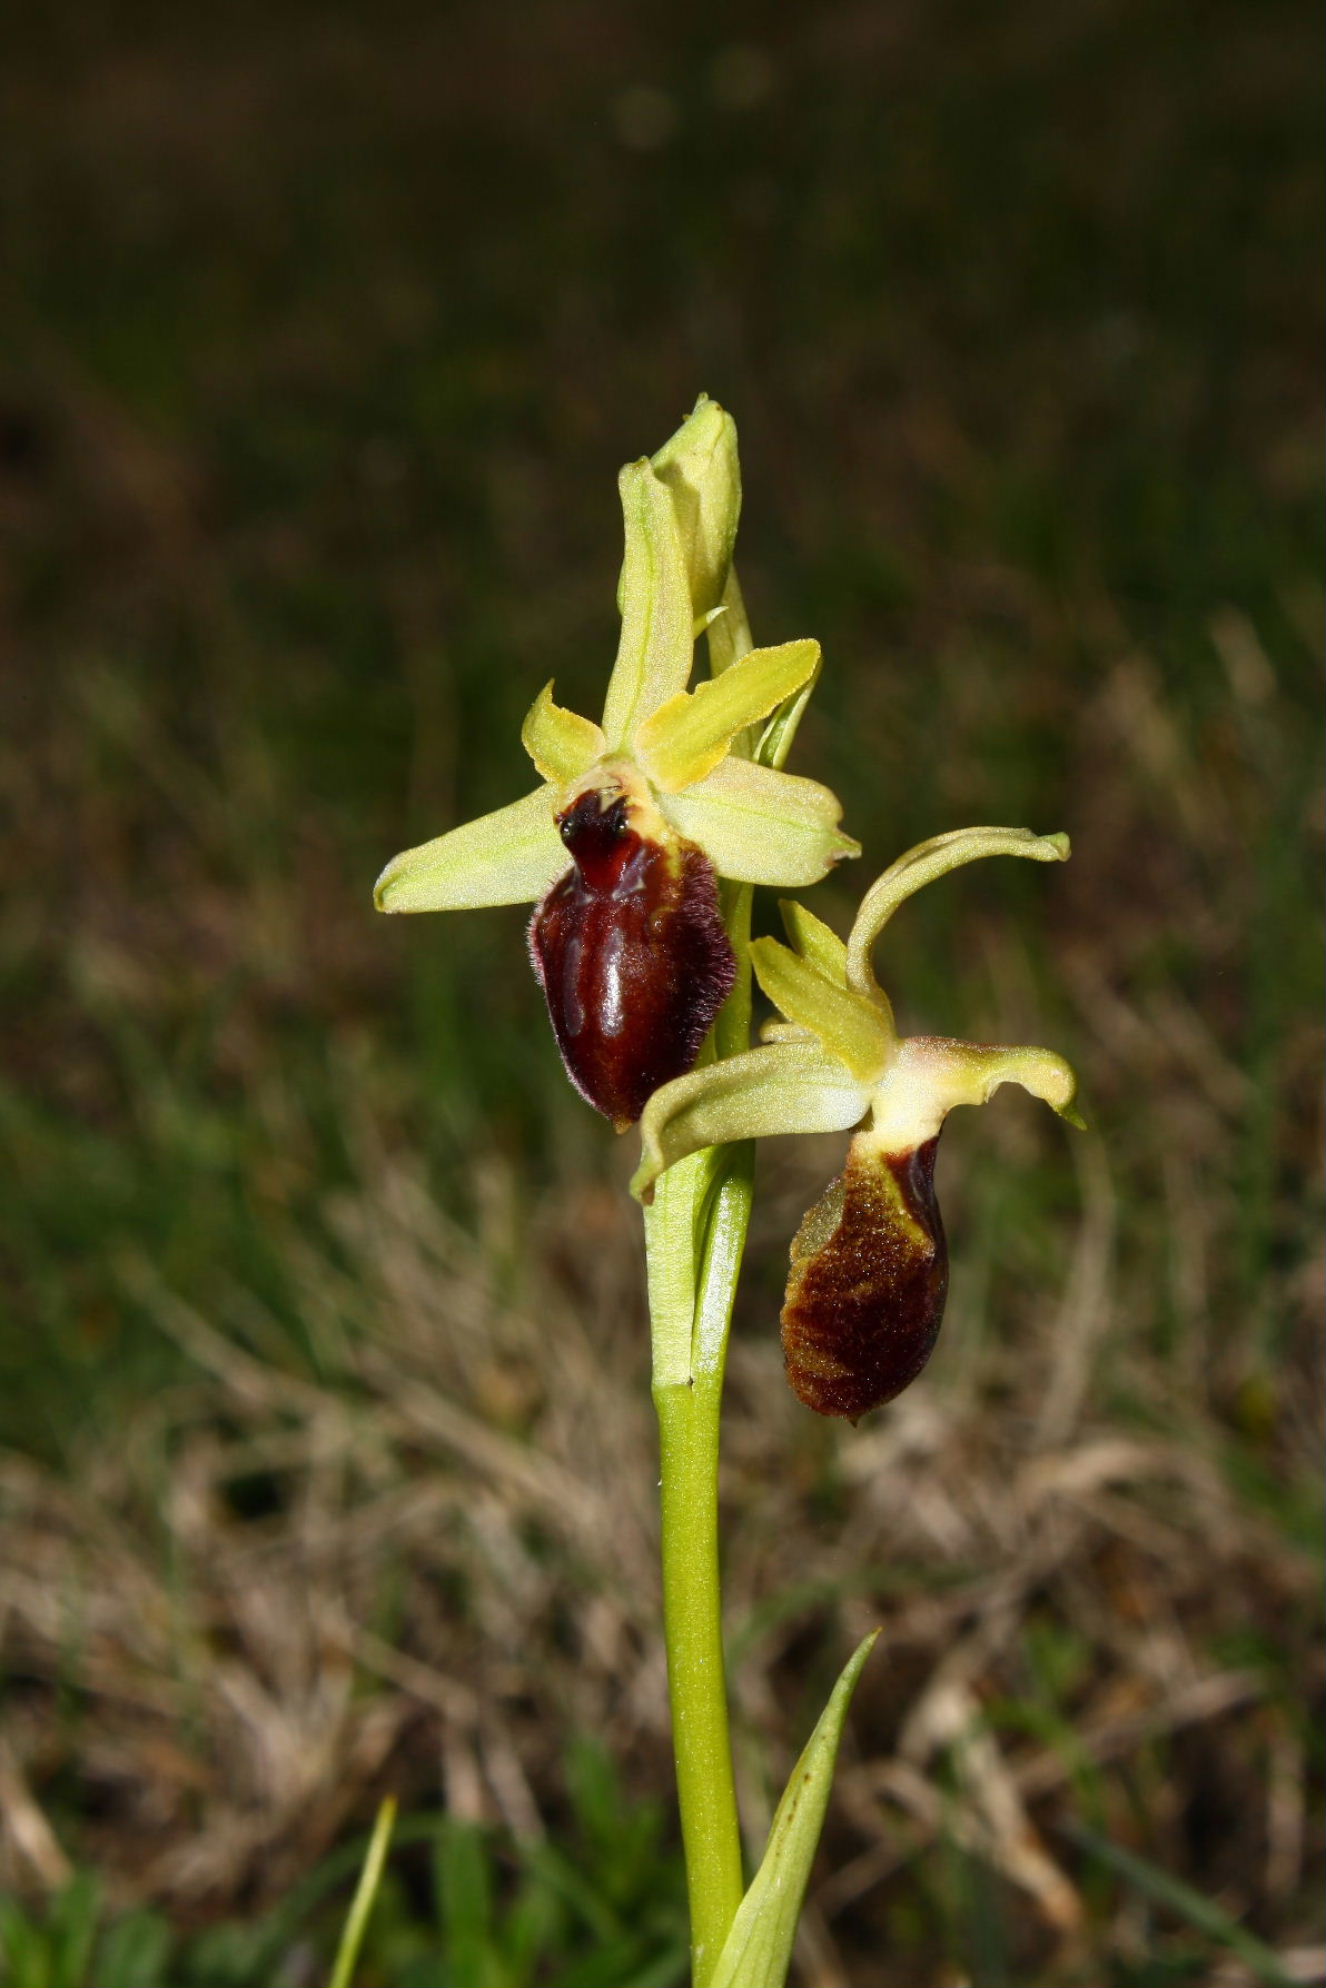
(630, 950)
(869, 1278)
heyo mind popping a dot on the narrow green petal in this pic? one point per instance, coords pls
(851, 1028)
(730, 639)
(931, 1074)
(729, 633)
(758, 1950)
(688, 736)
(656, 647)
(508, 857)
(776, 740)
(762, 827)
(787, 1087)
(921, 866)
(814, 940)
(562, 744)
(700, 469)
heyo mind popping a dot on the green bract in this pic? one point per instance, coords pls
(838, 1060)
(675, 754)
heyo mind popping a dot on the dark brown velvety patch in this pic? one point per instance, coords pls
(869, 1278)
(630, 950)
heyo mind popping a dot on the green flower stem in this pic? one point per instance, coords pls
(695, 1235)
(688, 1419)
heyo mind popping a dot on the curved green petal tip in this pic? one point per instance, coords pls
(923, 865)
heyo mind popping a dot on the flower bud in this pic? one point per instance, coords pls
(868, 1282)
(700, 468)
(630, 949)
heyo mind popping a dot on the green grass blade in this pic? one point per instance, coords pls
(1181, 1899)
(465, 1889)
(74, 1922)
(23, 1953)
(365, 1893)
(135, 1952)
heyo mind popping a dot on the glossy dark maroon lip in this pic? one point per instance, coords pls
(630, 949)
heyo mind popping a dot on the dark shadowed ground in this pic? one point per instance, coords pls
(326, 1465)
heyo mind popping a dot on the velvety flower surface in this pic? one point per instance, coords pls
(868, 1281)
(638, 815)
(869, 1274)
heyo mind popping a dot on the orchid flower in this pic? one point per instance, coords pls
(636, 817)
(869, 1274)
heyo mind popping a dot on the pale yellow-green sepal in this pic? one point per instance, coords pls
(562, 744)
(688, 736)
(850, 1026)
(814, 940)
(508, 857)
(699, 466)
(656, 647)
(787, 1087)
(930, 1075)
(922, 865)
(762, 827)
(758, 1950)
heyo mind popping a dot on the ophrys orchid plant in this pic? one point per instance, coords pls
(640, 848)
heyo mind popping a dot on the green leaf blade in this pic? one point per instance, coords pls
(759, 1947)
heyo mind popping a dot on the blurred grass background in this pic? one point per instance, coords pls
(326, 1462)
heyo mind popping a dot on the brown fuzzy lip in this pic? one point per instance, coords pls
(869, 1278)
(630, 949)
